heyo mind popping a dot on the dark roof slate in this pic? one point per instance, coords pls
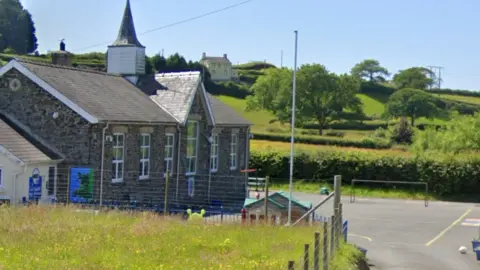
(106, 97)
(127, 35)
(224, 115)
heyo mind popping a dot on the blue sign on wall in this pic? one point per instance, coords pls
(81, 185)
(34, 188)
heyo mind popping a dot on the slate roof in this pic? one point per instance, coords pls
(127, 35)
(216, 59)
(224, 115)
(304, 204)
(21, 146)
(106, 97)
(177, 92)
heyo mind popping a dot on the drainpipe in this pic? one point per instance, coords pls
(209, 165)
(178, 160)
(15, 182)
(101, 163)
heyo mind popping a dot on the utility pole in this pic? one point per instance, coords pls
(438, 76)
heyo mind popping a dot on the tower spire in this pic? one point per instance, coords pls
(126, 34)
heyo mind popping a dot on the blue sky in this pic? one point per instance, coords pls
(335, 33)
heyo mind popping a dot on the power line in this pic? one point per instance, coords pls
(175, 23)
(439, 76)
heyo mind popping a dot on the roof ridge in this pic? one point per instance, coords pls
(40, 63)
(177, 74)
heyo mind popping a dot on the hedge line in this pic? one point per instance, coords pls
(316, 140)
(445, 177)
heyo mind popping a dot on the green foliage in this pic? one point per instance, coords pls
(411, 103)
(254, 66)
(461, 135)
(414, 77)
(467, 93)
(402, 133)
(17, 29)
(318, 140)
(370, 70)
(444, 176)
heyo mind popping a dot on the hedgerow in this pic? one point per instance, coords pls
(445, 176)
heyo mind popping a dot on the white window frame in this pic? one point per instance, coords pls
(234, 151)
(145, 160)
(115, 178)
(168, 161)
(214, 153)
(188, 169)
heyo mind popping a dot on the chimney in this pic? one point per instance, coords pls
(204, 55)
(225, 56)
(62, 57)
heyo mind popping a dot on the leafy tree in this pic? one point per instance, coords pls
(402, 132)
(415, 77)
(412, 103)
(321, 95)
(371, 70)
(273, 93)
(17, 29)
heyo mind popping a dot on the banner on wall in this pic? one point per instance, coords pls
(35, 186)
(81, 185)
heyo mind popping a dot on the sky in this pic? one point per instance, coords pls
(336, 33)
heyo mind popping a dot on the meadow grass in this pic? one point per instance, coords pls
(284, 147)
(61, 238)
(465, 99)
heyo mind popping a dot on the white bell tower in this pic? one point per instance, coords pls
(126, 56)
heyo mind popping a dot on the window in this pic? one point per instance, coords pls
(226, 72)
(144, 156)
(169, 150)
(118, 156)
(233, 151)
(191, 186)
(214, 153)
(192, 138)
(1, 177)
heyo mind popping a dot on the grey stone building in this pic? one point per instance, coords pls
(130, 129)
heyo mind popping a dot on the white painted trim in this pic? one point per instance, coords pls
(196, 148)
(207, 102)
(119, 180)
(172, 159)
(232, 168)
(147, 160)
(11, 156)
(18, 66)
(217, 156)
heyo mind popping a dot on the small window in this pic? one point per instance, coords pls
(144, 156)
(169, 153)
(233, 151)
(118, 157)
(214, 153)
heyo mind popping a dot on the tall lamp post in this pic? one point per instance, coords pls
(292, 138)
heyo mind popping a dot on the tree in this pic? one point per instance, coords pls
(321, 95)
(371, 70)
(412, 103)
(17, 28)
(415, 77)
(273, 93)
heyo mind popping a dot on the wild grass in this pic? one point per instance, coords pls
(465, 99)
(61, 238)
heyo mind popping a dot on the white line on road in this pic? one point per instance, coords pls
(449, 227)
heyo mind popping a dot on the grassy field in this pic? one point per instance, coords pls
(465, 99)
(284, 147)
(60, 238)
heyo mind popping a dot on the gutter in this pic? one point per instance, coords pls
(102, 163)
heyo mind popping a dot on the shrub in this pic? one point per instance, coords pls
(372, 144)
(444, 176)
(402, 133)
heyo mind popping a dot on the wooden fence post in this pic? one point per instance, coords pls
(291, 265)
(306, 257)
(332, 236)
(325, 246)
(316, 251)
(340, 225)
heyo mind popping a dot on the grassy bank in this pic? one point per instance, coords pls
(60, 238)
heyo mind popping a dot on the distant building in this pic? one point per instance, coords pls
(220, 68)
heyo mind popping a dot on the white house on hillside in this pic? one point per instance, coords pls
(220, 68)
